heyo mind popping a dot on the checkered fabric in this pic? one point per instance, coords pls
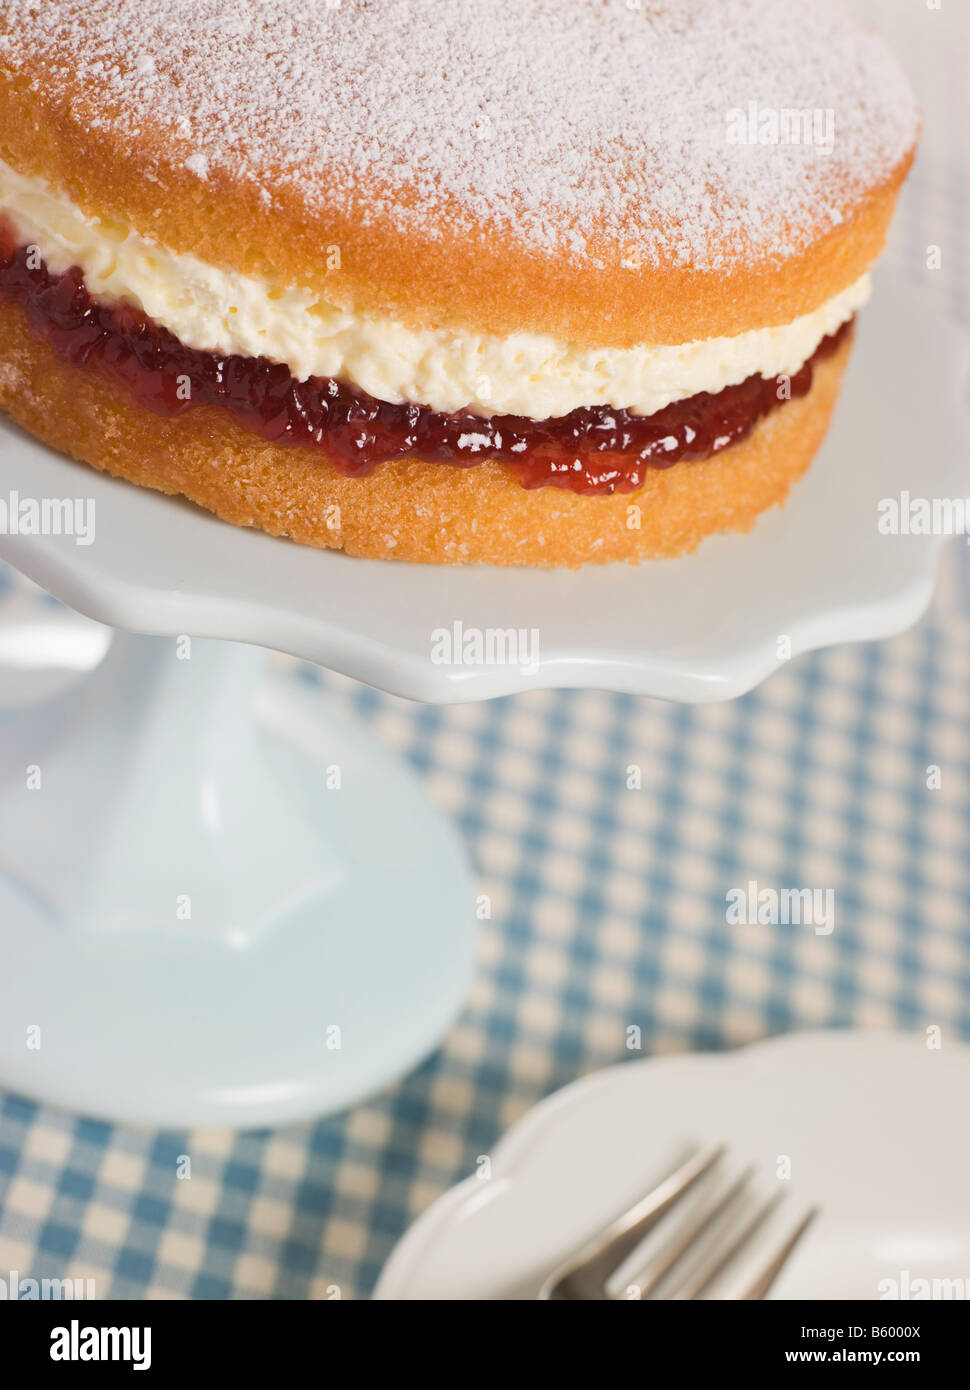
(608, 903)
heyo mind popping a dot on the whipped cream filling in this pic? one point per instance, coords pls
(531, 374)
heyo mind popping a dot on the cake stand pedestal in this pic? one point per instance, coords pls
(220, 901)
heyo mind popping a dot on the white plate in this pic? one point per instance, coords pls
(875, 1125)
(705, 627)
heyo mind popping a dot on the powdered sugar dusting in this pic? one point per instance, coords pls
(199, 165)
(570, 125)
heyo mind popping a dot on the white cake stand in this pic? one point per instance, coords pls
(221, 902)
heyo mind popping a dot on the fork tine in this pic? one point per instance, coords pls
(659, 1267)
(715, 1262)
(584, 1276)
(760, 1285)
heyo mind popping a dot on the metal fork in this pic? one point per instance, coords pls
(586, 1274)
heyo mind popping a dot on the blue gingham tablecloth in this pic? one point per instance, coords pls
(608, 905)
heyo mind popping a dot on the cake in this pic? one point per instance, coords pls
(517, 282)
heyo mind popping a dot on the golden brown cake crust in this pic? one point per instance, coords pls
(406, 510)
(461, 267)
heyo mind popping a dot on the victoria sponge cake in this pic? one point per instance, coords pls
(517, 282)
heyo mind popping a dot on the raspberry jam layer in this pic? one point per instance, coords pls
(595, 450)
